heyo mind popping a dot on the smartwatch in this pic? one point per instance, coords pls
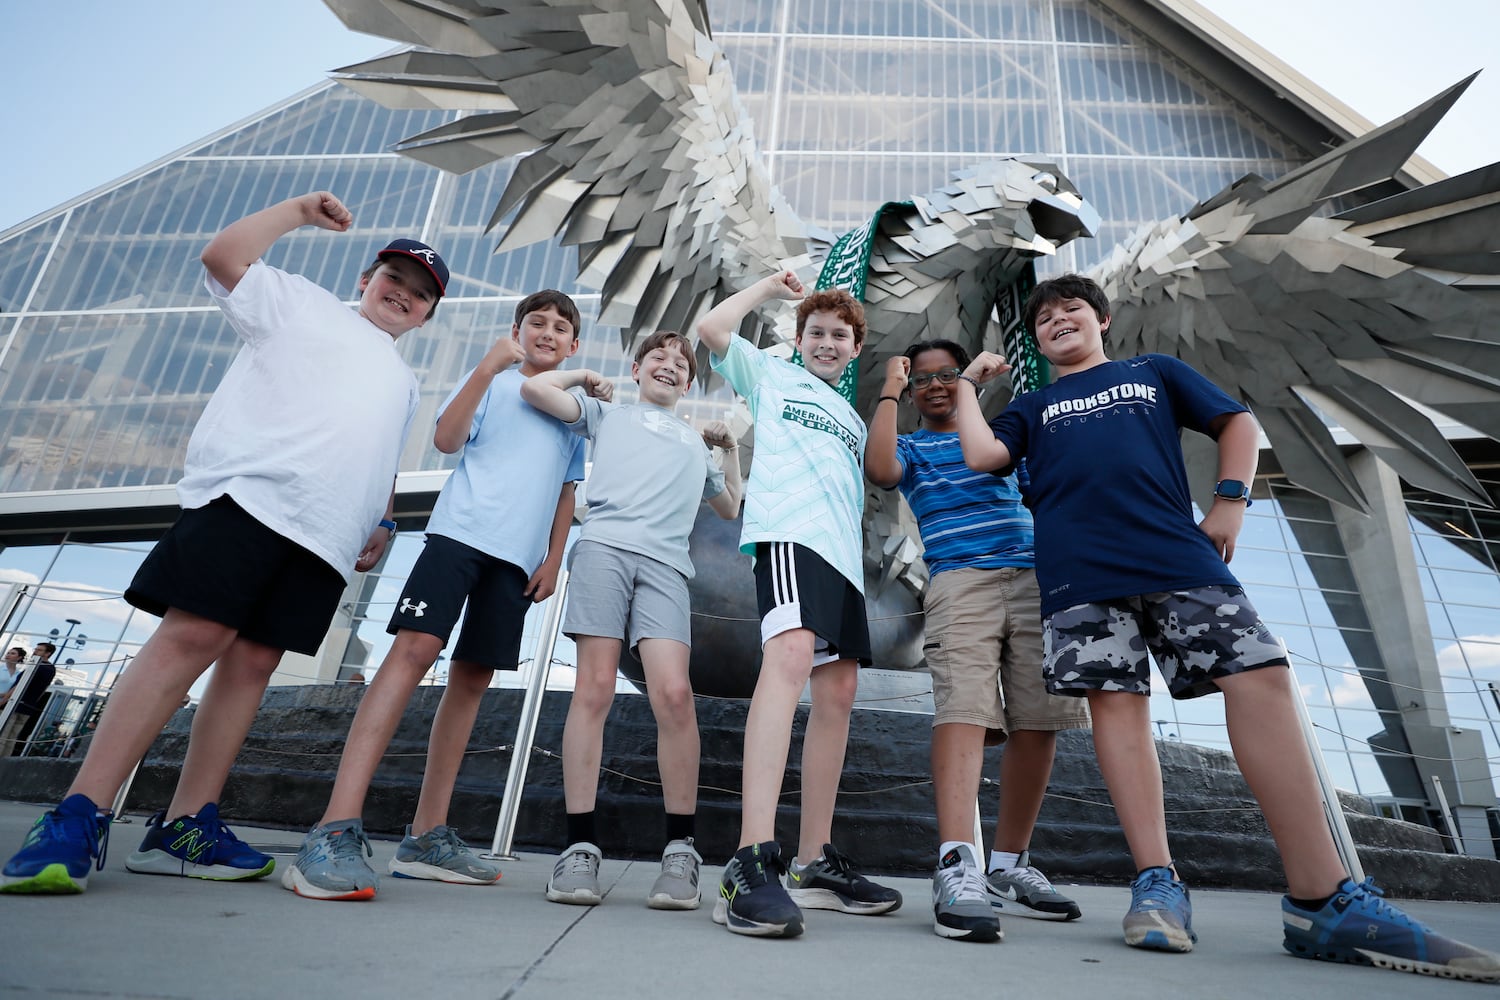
(1232, 489)
(389, 526)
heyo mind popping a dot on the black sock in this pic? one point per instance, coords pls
(581, 828)
(681, 826)
(1311, 905)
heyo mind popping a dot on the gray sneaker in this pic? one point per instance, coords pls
(1025, 892)
(676, 888)
(575, 878)
(960, 907)
(441, 855)
(331, 863)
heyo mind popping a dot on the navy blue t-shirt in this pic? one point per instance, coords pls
(1108, 492)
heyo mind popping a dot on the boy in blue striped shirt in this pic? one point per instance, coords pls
(983, 646)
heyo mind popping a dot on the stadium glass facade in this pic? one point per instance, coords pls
(109, 348)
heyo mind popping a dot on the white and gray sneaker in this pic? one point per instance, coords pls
(1026, 892)
(441, 855)
(575, 877)
(960, 907)
(676, 888)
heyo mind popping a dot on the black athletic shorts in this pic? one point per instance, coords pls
(796, 588)
(447, 573)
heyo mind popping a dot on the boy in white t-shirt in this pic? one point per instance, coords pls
(630, 571)
(287, 488)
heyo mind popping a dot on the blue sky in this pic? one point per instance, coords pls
(115, 86)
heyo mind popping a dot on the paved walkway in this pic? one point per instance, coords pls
(145, 936)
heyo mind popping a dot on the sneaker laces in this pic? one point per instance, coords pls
(345, 845)
(839, 863)
(1156, 885)
(1031, 878)
(580, 863)
(1370, 896)
(760, 872)
(963, 881)
(676, 863)
(95, 830)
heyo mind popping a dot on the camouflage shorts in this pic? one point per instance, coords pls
(1194, 635)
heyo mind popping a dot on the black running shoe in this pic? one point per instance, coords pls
(751, 898)
(831, 883)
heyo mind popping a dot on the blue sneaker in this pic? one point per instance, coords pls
(198, 846)
(331, 863)
(60, 849)
(1359, 927)
(441, 855)
(752, 899)
(1161, 914)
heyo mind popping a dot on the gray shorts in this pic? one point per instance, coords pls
(625, 595)
(1195, 635)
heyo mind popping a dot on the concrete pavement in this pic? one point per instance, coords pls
(147, 936)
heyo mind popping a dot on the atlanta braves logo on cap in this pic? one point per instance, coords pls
(417, 250)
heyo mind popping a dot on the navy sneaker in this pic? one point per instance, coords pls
(751, 898)
(60, 849)
(1359, 927)
(198, 846)
(1161, 914)
(830, 882)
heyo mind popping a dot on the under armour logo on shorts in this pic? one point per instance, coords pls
(414, 608)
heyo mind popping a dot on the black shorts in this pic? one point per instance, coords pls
(220, 563)
(447, 573)
(796, 588)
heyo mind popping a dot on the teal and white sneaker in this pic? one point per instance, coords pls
(198, 846)
(441, 855)
(331, 863)
(575, 877)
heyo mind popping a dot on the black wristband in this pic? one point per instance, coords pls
(970, 379)
(882, 399)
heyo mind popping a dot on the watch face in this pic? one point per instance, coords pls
(1230, 489)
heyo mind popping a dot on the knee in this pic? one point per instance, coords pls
(837, 691)
(673, 702)
(469, 679)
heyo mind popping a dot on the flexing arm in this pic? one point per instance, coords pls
(544, 581)
(716, 329)
(229, 255)
(457, 419)
(1239, 452)
(882, 467)
(727, 504)
(983, 452)
(548, 392)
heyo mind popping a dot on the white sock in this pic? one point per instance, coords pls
(949, 845)
(999, 860)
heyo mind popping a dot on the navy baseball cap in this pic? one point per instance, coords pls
(424, 255)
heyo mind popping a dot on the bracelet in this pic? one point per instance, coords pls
(388, 526)
(894, 399)
(969, 379)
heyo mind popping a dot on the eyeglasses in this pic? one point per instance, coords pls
(945, 376)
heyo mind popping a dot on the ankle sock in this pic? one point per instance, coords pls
(581, 828)
(1000, 860)
(681, 826)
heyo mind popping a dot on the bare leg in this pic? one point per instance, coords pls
(671, 693)
(786, 662)
(957, 765)
(823, 745)
(451, 728)
(222, 722)
(583, 733)
(375, 722)
(1025, 768)
(144, 698)
(1132, 773)
(1273, 756)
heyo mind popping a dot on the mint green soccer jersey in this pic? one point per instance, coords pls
(806, 484)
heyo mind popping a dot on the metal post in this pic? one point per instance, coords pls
(979, 851)
(531, 709)
(118, 807)
(1332, 811)
(1442, 799)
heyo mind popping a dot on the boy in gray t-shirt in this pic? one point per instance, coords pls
(629, 583)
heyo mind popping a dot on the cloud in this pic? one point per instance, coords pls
(1477, 653)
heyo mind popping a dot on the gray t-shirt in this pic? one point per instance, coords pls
(651, 471)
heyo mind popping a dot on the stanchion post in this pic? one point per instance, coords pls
(1343, 842)
(1442, 800)
(531, 709)
(118, 807)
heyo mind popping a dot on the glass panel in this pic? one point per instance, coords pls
(21, 259)
(975, 19)
(333, 120)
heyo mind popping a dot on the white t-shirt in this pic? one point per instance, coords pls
(806, 484)
(306, 429)
(502, 497)
(651, 471)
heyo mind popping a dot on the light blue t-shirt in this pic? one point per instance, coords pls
(806, 484)
(502, 497)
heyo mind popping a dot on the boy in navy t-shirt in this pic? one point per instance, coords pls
(1123, 567)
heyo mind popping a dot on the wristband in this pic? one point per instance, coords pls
(970, 379)
(388, 526)
(894, 399)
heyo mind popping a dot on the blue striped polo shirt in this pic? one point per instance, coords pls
(968, 519)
